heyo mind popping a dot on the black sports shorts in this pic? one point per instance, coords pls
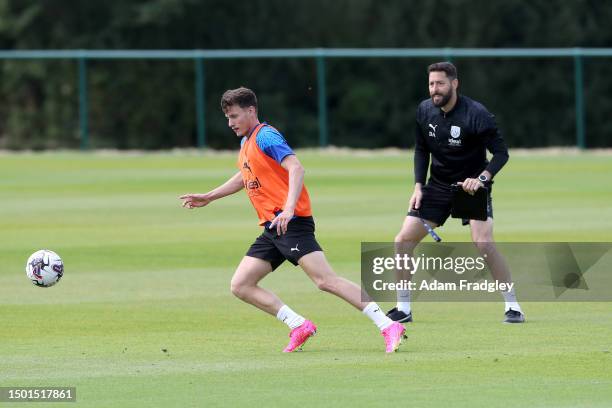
(299, 240)
(436, 203)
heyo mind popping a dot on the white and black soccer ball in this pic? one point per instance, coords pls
(44, 268)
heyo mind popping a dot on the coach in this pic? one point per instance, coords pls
(455, 132)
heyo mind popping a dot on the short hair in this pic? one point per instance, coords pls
(448, 68)
(242, 97)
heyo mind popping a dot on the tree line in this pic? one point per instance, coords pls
(150, 104)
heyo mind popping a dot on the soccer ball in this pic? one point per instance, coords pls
(44, 268)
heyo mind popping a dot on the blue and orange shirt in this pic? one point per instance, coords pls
(265, 180)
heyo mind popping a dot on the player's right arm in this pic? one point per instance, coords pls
(421, 162)
(415, 199)
(231, 186)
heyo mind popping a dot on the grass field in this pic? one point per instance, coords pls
(144, 275)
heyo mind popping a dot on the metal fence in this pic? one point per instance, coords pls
(320, 55)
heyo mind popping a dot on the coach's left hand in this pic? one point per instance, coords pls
(281, 221)
(471, 185)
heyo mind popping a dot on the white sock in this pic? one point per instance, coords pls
(510, 300)
(289, 317)
(403, 301)
(372, 310)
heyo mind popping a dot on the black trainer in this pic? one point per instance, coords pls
(513, 316)
(399, 316)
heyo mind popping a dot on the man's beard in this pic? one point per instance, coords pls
(444, 100)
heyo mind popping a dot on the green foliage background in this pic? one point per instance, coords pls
(150, 104)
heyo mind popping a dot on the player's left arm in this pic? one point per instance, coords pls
(495, 144)
(296, 181)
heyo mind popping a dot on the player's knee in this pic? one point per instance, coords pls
(327, 284)
(406, 241)
(238, 288)
(484, 243)
(402, 237)
(482, 238)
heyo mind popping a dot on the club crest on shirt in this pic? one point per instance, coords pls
(455, 132)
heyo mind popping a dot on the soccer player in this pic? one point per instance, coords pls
(273, 178)
(455, 131)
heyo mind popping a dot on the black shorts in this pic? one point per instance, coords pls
(299, 240)
(436, 203)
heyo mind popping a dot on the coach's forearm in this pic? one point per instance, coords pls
(498, 161)
(499, 150)
(231, 186)
(421, 162)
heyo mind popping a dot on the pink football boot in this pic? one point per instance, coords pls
(299, 335)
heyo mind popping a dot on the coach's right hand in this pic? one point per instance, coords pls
(196, 200)
(415, 200)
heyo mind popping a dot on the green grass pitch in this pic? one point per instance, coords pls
(144, 275)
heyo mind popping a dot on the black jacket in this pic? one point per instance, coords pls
(457, 141)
